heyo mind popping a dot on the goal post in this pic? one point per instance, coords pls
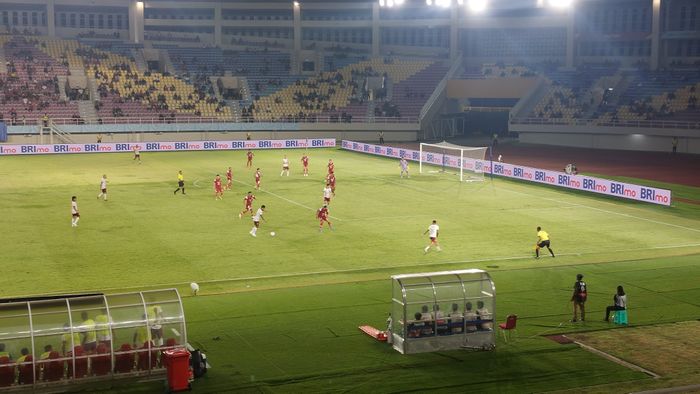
(444, 155)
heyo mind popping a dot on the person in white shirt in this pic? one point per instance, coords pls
(484, 314)
(404, 167)
(469, 316)
(74, 211)
(285, 166)
(256, 220)
(456, 319)
(619, 302)
(103, 188)
(433, 231)
(327, 193)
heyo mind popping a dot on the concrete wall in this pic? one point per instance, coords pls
(368, 136)
(490, 88)
(639, 142)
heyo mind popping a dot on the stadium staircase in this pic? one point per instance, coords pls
(57, 133)
(3, 60)
(139, 60)
(168, 65)
(86, 110)
(62, 81)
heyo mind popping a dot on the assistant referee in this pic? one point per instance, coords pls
(542, 241)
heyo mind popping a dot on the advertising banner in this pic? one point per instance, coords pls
(8, 149)
(555, 178)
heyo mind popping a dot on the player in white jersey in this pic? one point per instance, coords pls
(74, 211)
(433, 231)
(327, 193)
(285, 166)
(103, 188)
(404, 167)
(256, 220)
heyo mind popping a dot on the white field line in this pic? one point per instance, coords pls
(387, 217)
(286, 199)
(605, 211)
(358, 270)
(196, 183)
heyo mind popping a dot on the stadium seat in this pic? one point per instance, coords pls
(101, 363)
(143, 357)
(508, 326)
(53, 369)
(26, 373)
(7, 372)
(124, 362)
(620, 317)
(81, 363)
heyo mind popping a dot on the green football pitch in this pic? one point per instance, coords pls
(281, 313)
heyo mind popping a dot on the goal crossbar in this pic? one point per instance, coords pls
(460, 157)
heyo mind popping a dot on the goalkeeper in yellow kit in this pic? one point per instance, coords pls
(542, 241)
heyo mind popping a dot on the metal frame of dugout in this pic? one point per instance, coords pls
(423, 319)
(120, 335)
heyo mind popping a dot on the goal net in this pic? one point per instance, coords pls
(467, 161)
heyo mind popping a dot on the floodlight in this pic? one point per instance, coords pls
(389, 3)
(560, 3)
(429, 2)
(477, 5)
(460, 2)
(382, 3)
(399, 2)
(296, 3)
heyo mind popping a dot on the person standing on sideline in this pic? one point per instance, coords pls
(180, 183)
(285, 166)
(103, 188)
(674, 144)
(619, 303)
(137, 153)
(542, 241)
(256, 220)
(74, 211)
(494, 141)
(403, 163)
(434, 231)
(381, 138)
(579, 298)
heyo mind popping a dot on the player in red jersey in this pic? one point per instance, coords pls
(249, 155)
(248, 202)
(218, 189)
(229, 178)
(322, 215)
(330, 179)
(258, 177)
(331, 166)
(305, 164)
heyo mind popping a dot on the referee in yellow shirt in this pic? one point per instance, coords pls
(180, 183)
(542, 241)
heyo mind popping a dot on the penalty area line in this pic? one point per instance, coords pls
(286, 199)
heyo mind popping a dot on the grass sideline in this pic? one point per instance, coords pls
(286, 309)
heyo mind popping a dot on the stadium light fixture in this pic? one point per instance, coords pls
(460, 2)
(296, 4)
(477, 6)
(560, 3)
(389, 3)
(382, 3)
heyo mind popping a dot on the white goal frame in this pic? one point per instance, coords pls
(444, 145)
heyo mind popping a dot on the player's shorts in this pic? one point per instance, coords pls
(543, 244)
(249, 208)
(89, 346)
(219, 190)
(285, 167)
(433, 239)
(326, 199)
(180, 183)
(137, 155)
(256, 224)
(104, 190)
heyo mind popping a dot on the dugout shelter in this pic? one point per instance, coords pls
(51, 343)
(444, 310)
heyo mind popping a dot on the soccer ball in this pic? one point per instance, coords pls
(195, 288)
(272, 233)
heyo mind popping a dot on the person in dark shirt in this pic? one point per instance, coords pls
(579, 298)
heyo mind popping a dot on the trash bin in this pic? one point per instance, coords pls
(177, 362)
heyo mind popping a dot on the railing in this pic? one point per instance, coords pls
(208, 120)
(657, 124)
